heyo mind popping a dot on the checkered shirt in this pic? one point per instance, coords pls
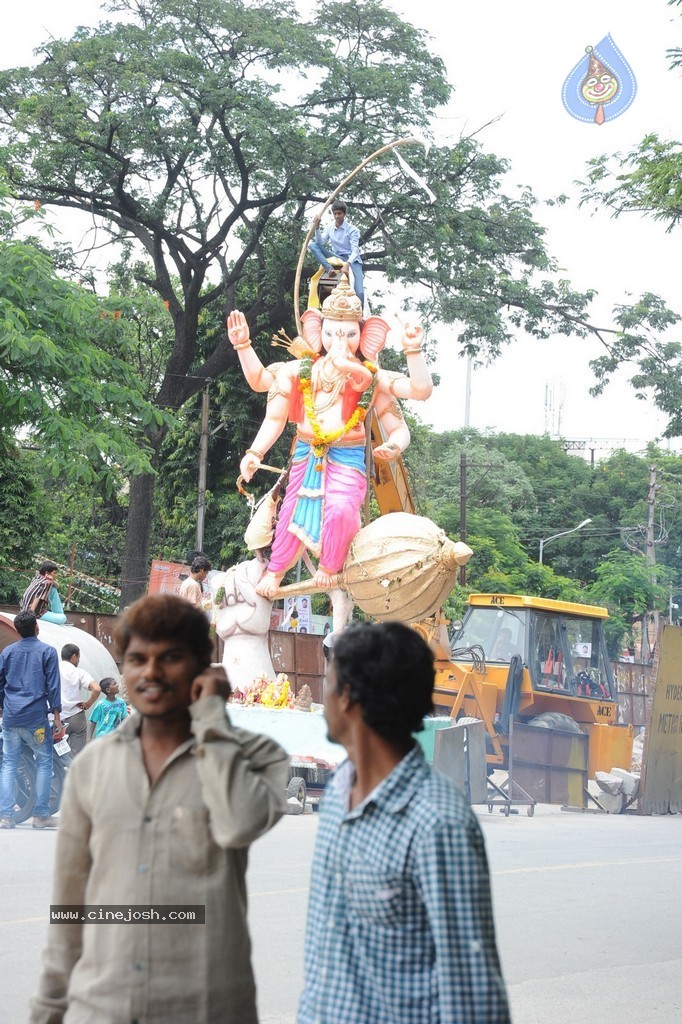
(400, 923)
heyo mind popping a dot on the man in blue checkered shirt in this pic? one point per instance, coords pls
(400, 923)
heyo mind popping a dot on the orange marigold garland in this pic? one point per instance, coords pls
(324, 438)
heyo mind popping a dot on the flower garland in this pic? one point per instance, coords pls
(324, 438)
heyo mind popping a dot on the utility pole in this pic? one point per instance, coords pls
(203, 465)
(650, 552)
(464, 466)
(467, 396)
(72, 562)
(463, 512)
(650, 555)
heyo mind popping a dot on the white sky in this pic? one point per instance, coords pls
(508, 61)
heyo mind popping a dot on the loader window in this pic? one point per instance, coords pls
(550, 663)
(591, 669)
(499, 631)
(568, 655)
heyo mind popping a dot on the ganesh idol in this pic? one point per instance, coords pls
(327, 392)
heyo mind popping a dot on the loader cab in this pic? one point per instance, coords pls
(561, 644)
(498, 632)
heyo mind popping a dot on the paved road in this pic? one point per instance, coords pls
(588, 911)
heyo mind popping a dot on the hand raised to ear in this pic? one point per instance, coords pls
(212, 682)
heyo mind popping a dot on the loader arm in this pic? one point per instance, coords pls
(389, 479)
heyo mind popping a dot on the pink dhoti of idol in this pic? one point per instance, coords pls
(321, 506)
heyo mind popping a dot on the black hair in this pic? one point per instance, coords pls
(68, 651)
(388, 670)
(47, 567)
(339, 204)
(105, 683)
(199, 563)
(25, 623)
(162, 616)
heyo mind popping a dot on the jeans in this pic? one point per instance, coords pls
(322, 254)
(39, 740)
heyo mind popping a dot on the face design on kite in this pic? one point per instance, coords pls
(600, 89)
(600, 85)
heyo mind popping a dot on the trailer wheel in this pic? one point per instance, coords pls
(57, 787)
(555, 720)
(531, 810)
(297, 790)
(26, 786)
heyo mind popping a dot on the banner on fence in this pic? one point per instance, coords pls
(661, 784)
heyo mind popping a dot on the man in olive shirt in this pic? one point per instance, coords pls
(161, 813)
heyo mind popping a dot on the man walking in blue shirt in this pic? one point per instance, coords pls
(400, 922)
(342, 241)
(29, 685)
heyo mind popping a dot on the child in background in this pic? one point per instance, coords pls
(110, 712)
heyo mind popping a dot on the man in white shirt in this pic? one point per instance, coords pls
(192, 589)
(74, 682)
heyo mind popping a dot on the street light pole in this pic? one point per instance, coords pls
(563, 533)
(203, 463)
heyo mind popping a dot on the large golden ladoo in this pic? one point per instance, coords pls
(402, 567)
(399, 567)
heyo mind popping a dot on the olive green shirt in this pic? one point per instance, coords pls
(183, 840)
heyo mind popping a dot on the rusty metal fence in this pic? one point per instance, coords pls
(634, 683)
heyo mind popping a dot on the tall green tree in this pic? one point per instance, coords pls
(64, 380)
(502, 506)
(173, 128)
(630, 588)
(23, 505)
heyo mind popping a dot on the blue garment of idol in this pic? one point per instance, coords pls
(400, 924)
(310, 504)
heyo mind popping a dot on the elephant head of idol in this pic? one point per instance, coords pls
(340, 326)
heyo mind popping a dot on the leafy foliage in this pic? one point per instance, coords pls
(629, 587)
(63, 375)
(675, 54)
(646, 180)
(524, 488)
(503, 506)
(22, 505)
